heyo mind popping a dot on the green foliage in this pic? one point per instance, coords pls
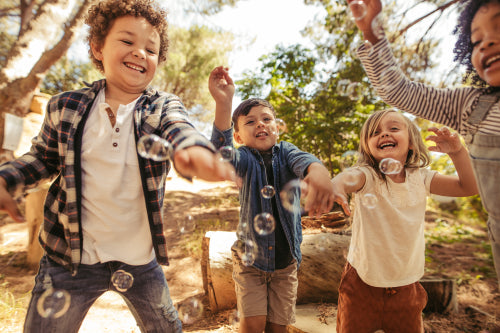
(194, 52)
(68, 75)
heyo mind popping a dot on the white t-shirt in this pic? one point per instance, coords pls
(114, 217)
(387, 245)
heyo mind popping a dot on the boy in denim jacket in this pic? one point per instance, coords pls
(103, 212)
(266, 279)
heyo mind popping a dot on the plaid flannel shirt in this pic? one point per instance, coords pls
(56, 151)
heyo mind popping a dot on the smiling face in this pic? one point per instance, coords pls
(485, 39)
(390, 139)
(129, 55)
(257, 129)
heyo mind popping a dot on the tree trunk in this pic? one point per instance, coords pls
(44, 41)
(442, 295)
(319, 272)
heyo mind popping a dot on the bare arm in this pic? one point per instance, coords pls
(462, 185)
(346, 182)
(8, 204)
(319, 198)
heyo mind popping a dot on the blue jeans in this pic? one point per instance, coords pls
(148, 298)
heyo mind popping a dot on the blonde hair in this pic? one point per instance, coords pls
(418, 155)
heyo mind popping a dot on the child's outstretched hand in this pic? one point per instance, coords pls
(446, 141)
(373, 8)
(8, 204)
(319, 194)
(200, 162)
(221, 85)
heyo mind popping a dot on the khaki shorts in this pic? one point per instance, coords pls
(363, 308)
(271, 294)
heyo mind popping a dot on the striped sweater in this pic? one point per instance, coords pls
(450, 106)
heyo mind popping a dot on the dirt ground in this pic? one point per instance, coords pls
(478, 295)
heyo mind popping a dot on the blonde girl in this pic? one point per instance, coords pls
(379, 288)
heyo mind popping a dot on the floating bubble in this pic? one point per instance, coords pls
(390, 166)
(292, 195)
(354, 91)
(351, 176)
(353, 48)
(281, 126)
(342, 87)
(248, 258)
(227, 153)
(187, 224)
(53, 303)
(358, 9)
(378, 26)
(267, 192)
(122, 280)
(390, 78)
(247, 251)
(153, 147)
(264, 224)
(368, 47)
(190, 311)
(369, 200)
(348, 159)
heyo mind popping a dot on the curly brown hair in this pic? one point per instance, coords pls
(101, 16)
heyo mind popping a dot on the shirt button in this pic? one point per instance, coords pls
(221, 139)
(115, 144)
(117, 130)
(270, 248)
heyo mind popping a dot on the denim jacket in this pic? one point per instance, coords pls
(289, 163)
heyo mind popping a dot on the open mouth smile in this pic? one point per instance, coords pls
(135, 67)
(387, 145)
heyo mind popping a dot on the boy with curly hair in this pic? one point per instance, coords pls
(103, 212)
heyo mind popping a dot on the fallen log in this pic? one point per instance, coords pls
(442, 295)
(319, 273)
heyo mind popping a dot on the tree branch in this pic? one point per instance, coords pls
(440, 8)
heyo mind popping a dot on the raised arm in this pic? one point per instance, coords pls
(462, 185)
(221, 87)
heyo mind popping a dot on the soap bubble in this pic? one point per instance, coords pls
(348, 159)
(390, 78)
(53, 303)
(369, 200)
(292, 195)
(378, 26)
(153, 147)
(342, 87)
(227, 153)
(122, 280)
(368, 47)
(190, 311)
(281, 126)
(358, 9)
(247, 251)
(264, 224)
(354, 91)
(267, 192)
(390, 166)
(187, 224)
(351, 176)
